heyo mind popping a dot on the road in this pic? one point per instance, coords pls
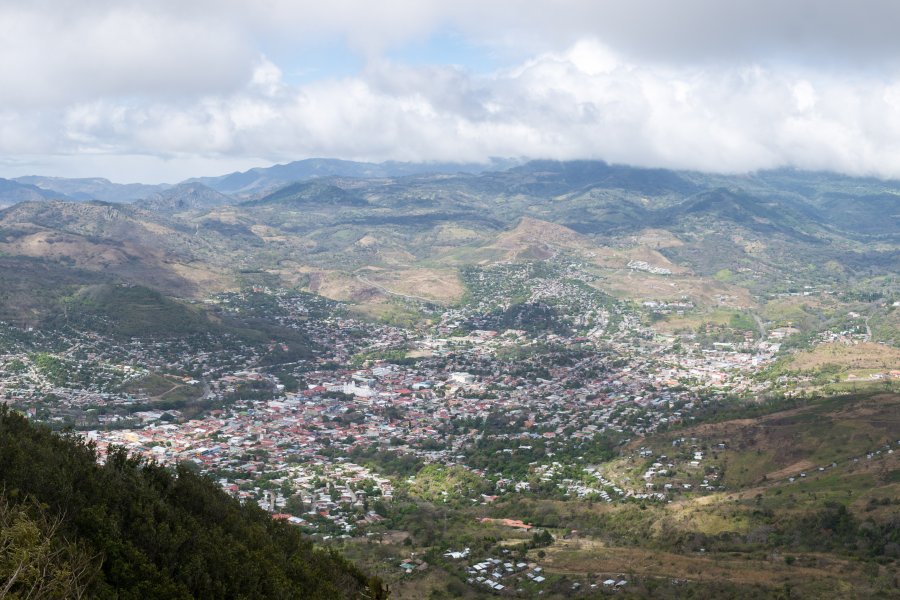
(761, 325)
(381, 288)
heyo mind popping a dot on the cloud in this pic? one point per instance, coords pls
(585, 102)
(59, 51)
(815, 31)
(699, 84)
(52, 58)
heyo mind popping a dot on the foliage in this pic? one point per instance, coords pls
(386, 461)
(439, 483)
(36, 561)
(128, 311)
(162, 534)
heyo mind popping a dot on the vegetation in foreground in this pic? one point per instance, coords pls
(72, 528)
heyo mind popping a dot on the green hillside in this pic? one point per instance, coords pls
(127, 311)
(128, 529)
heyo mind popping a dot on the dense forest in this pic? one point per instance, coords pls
(73, 528)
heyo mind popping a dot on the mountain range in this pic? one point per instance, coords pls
(765, 232)
(672, 265)
(253, 183)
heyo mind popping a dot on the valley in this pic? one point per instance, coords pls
(554, 380)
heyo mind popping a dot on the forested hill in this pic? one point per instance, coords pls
(70, 528)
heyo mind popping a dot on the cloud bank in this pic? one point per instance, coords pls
(156, 93)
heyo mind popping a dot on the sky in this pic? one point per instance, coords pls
(165, 90)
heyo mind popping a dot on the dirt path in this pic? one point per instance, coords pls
(761, 326)
(168, 391)
(383, 289)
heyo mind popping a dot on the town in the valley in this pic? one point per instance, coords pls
(471, 404)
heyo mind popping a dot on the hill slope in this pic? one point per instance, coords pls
(117, 242)
(91, 188)
(767, 233)
(136, 530)
(316, 194)
(259, 181)
(182, 197)
(12, 192)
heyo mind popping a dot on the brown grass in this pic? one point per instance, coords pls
(438, 285)
(344, 287)
(791, 470)
(574, 557)
(639, 285)
(865, 355)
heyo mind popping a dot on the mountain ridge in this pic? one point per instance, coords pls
(190, 240)
(260, 181)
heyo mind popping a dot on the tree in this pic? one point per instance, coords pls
(35, 559)
(294, 505)
(132, 529)
(541, 539)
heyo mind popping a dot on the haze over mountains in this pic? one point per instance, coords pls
(247, 184)
(318, 223)
(767, 220)
(538, 177)
(595, 197)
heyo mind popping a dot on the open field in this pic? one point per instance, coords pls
(827, 578)
(692, 321)
(638, 285)
(865, 356)
(433, 285)
(163, 388)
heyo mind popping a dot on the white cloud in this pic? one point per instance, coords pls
(585, 102)
(700, 84)
(815, 31)
(55, 57)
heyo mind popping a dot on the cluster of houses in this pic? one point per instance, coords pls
(295, 447)
(497, 573)
(628, 379)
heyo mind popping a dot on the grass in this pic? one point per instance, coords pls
(819, 434)
(699, 518)
(695, 320)
(703, 292)
(829, 578)
(746, 532)
(724, 275)
(160, 387)
(438, 285)
(865, 357)
(817, 489)
(390, 312)
(788, 311)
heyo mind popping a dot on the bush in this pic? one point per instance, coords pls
(159, 533)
